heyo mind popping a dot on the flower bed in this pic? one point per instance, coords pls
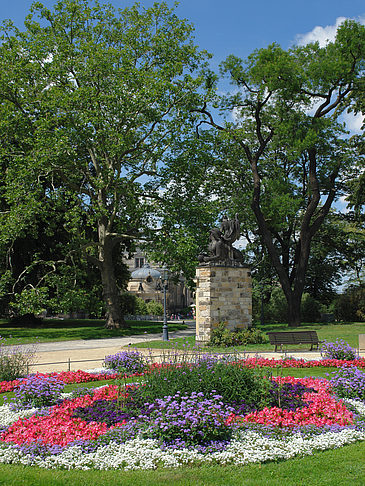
(64, 376)
(84, 376)
(108, 428)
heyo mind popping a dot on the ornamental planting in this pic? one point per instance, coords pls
(132, 426)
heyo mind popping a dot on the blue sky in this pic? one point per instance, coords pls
(238, 26)
(241, 26)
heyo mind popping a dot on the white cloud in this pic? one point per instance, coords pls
(354, 122)
(341, 205)
(323, 35)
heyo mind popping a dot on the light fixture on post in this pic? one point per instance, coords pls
(165, 278)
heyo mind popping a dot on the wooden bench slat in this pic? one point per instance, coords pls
(293, 337)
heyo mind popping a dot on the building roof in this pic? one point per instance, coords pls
(144, 272)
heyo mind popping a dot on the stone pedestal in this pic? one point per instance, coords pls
(362, 343)
(223, 294)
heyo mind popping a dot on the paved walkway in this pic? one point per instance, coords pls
(88, 354)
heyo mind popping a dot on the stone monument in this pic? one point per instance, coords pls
(223, 280)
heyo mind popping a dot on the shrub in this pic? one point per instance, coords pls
(310, 309)
(15, 360)
(38, 391)
(232, 381)
(350, 306)
(126, 362)
(221, 336)
(128, 303)
(141, 307)
(33, 301)
(154, 308)
(338, 350)
(348, 382)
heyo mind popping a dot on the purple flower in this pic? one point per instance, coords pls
(338, 350)
(126, 362)
(38, 391)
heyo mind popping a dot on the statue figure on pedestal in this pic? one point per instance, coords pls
(220, 245)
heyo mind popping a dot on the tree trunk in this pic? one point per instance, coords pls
(294, 317)
(111, 296)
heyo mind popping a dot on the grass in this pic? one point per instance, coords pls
(344, 466)
(349, 332)
(74, 329)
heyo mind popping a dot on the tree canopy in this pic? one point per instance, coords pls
(286, 148)
(113, 130)
(91, 99)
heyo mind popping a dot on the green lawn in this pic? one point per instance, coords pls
(344, 466)
(73, 329)
(349, 332)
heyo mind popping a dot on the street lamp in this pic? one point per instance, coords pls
(165, 278)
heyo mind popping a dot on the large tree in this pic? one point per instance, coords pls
(287, 145)
(95, 97)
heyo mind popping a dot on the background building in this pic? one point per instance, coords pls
(146, 283)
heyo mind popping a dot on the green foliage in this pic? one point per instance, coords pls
(128, 303)
(350, 306)
(31, 301)
(284, 161)
(233, 382)
(136, 305)
(276, 308)
(141, 307)
(97, 97)
(223, 337)
(310, 309)
(154, 308)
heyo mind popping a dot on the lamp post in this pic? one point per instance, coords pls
(262, 312)
(165, 278)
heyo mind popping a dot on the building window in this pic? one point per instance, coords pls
(138, 262)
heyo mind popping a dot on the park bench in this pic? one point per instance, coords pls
(293, 337)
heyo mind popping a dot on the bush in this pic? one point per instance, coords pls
(310, 309)
(15, 360)
(276, 310)
(221, 336)
(33, 301)
(350, 306)
(128, 303)
(38, 391)
(348, 382)
(131, 304)
(141, 307)
(338, 350)
(232, 381)
(126, 362)
(154, 308)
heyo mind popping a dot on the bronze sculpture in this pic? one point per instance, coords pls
(220, 246)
